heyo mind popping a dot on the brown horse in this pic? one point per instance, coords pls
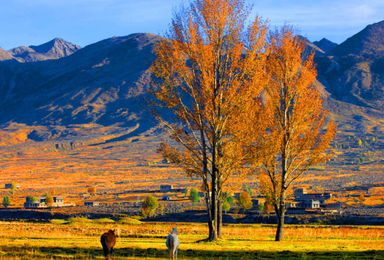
(108, 241)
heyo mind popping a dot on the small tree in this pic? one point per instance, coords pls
(13, 188)
(245, 201)
(248, 190)
(260, 207)
(32, 199)
(92, 190)
(162, 209)
(194, 196)
(149, 206)
(227, 201)
(6, 202)
(48, 200)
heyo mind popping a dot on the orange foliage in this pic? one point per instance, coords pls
(291, 131)
(92, 190)
(210, 63)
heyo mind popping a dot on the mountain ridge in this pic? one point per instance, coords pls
(325, 44)
(354, 70)
(53, 49)
(105, 83)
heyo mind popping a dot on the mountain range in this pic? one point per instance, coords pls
(56, 85)
(54, 49)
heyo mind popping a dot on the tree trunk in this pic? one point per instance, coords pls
(213, 195)
(280, 225)
(219, 218)
(210, 223)
(213, 236)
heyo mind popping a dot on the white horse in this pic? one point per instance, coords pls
(173, 243)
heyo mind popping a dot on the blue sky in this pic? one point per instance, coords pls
(32, 22)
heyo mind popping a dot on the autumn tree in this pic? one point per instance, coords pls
(48, 199)
(297, 131)
(210, 61)
(245, 201)
(91, 190)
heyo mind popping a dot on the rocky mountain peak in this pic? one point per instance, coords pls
(325, 44)
(4, 55)
(54, 49)
(369, 41)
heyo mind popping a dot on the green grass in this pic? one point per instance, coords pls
(103, 220)
(59, 221)
(79, 220)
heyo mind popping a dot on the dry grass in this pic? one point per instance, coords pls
(81, 239)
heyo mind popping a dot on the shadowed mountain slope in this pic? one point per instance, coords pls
(103, 83)
(325, 44)
(354, 70)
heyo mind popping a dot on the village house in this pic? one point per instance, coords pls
(40, 202)
(9, 186)
(304, 203)
(166, 188)
(305, 197)
(58, 202)
(91, 203)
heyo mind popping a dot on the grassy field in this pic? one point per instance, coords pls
(79, 239)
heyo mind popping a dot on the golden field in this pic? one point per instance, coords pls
(80, 239)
